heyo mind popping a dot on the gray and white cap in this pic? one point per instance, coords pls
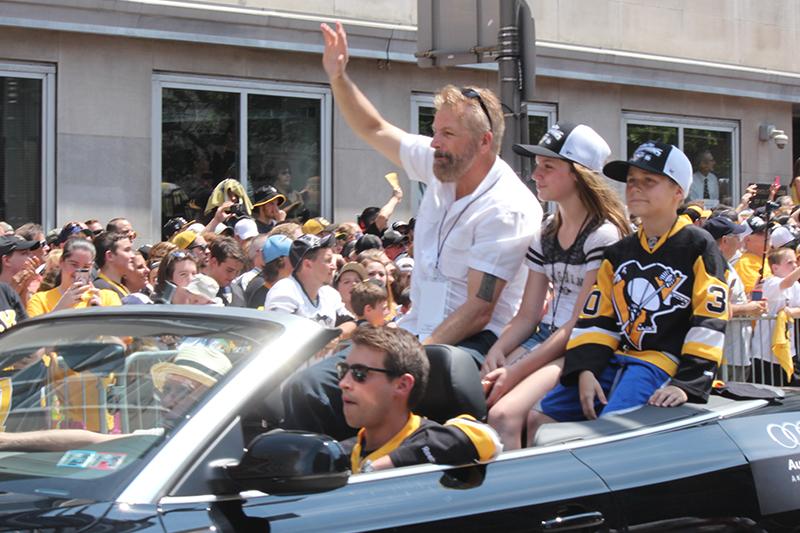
(657, 158)
(576, 143)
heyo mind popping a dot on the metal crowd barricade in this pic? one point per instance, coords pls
(86, 400)
(748, 352)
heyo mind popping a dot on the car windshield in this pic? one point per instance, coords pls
(82, 401)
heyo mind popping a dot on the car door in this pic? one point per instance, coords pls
(690, 477)
(526, 491)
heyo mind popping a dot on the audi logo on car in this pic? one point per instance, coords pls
(786, 434)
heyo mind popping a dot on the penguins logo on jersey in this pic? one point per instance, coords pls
(642, 293)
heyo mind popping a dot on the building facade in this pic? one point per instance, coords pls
(138, 107)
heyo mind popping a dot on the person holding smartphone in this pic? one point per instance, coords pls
(75, 289)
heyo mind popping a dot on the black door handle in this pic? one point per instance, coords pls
(574, 521)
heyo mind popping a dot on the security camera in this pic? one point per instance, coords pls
(781, 140)
(768, 131)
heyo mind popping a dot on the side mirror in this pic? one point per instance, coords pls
(284, 462)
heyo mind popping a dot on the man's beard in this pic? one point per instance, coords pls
(449, 167)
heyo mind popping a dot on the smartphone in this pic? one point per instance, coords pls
(82, 275)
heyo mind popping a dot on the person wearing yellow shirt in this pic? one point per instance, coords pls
(75, 290)
(752, 259)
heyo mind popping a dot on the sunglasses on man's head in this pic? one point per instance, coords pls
(472, 93)
(358, 371)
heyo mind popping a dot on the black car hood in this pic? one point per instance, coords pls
(31, 511)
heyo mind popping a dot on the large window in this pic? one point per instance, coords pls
(26, 140)
(257, 133)
(540, 118)
(711, 146)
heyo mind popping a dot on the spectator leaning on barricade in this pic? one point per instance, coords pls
(225, 262)
(115, 261)
(275, 257)
(782, 293)
(474, 225)
(652, 329)
(753, 258)
(725, 231)
(75, 288)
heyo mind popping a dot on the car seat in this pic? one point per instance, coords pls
(454, 385)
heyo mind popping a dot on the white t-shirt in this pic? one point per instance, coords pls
(288, 295)
(566, 268)
(488, 231)
(738, 333)
(776, 300)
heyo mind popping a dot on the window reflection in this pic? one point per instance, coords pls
(200, 148)
(710, 152)
(283, 150)
(20, 150)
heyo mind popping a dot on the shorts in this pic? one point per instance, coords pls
(626, 381)
(539, 336)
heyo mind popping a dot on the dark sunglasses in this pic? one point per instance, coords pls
(358, 371)
(202, 247)
(472, 93)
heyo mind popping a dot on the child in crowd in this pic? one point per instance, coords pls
(369, 302)
(782, 293)
(652, 329)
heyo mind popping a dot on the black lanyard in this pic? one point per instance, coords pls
(440, 245)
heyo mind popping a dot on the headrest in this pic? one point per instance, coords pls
(454, 385)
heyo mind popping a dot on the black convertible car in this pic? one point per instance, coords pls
(103, 432)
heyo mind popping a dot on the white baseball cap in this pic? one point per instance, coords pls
(657, 158)
(576, 143)
(245, 228)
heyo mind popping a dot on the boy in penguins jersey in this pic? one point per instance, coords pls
(652, 329)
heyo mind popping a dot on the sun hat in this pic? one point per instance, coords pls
(200, 363)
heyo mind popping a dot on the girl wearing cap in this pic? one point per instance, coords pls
(653, 326)
(525, 362)
(75, 289)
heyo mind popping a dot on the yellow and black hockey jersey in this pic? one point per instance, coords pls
(667, 305)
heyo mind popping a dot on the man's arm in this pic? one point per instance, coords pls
(52, 440)
(386, 212)
(483, 291)
(357, 110)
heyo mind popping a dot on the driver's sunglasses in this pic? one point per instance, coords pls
(472, 93)
(358, 371)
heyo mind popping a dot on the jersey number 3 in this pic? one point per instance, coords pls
(717, 299)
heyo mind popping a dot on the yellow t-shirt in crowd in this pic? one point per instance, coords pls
(747, 267)
(44, 302)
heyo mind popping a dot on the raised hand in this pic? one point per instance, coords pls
(335, 56)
